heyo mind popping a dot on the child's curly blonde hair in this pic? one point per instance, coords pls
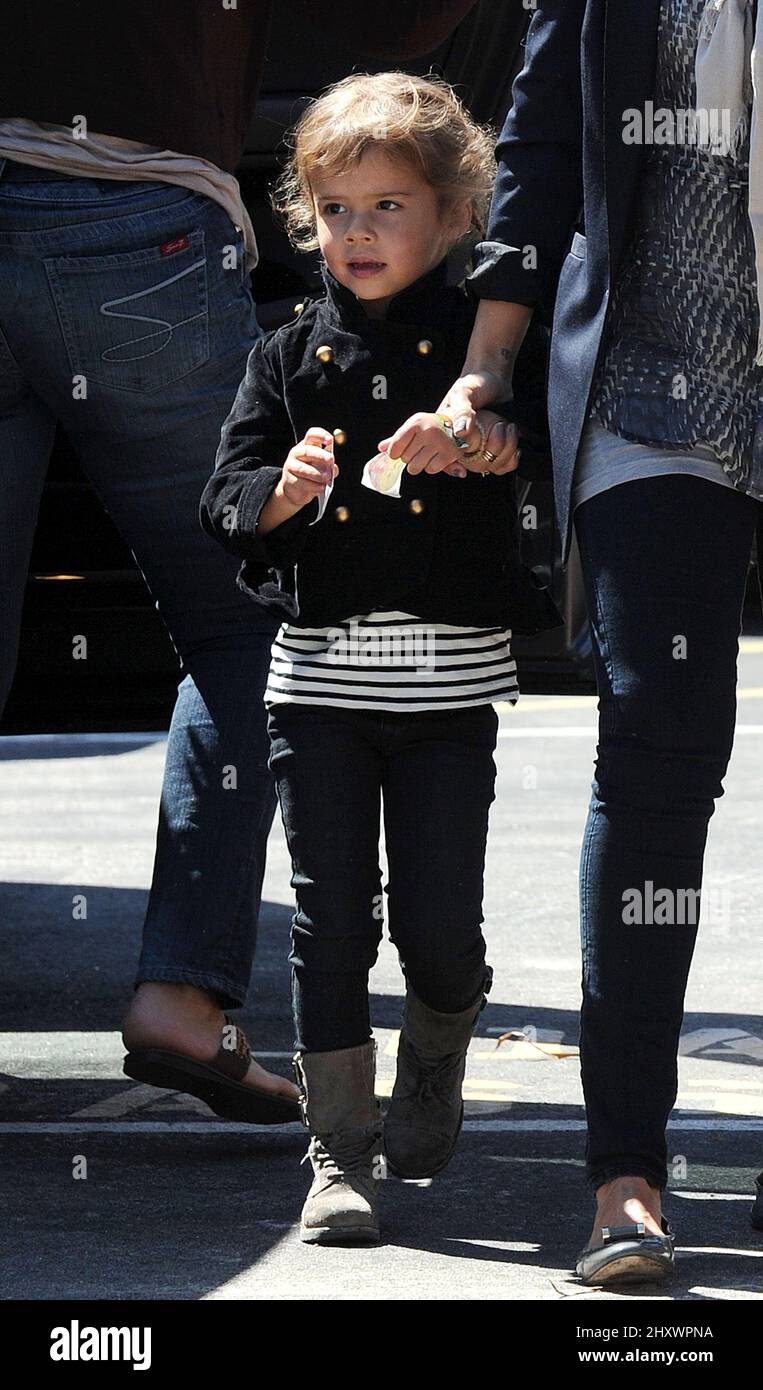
(418, 119)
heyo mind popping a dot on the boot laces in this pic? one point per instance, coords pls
(432, 1078)
(335, 1156)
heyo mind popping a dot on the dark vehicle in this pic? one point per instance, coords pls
(83, 578)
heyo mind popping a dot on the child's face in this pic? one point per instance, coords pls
(379, 227)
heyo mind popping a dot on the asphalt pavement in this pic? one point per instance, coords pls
(120, 1191)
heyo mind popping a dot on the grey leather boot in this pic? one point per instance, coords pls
(340, 1109)
(426, 1112)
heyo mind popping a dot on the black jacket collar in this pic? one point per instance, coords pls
(425, 300)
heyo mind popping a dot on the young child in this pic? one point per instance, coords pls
(398, 613)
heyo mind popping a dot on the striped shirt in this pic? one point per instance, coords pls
(391, 661)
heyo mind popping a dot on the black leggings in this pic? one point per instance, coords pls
(665, 563)
(436, 772)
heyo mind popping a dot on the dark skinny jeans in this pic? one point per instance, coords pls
(664, 562)
(435, 773)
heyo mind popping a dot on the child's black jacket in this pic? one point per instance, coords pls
(446, 551)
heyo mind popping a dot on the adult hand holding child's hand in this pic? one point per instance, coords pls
(489, 441)
(465, 403)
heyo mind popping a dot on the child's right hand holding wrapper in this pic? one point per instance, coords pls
(309, 469)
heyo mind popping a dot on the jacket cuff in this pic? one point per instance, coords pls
(281, 546)
(499, 274)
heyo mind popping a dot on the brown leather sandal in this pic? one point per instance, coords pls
(217, 1083)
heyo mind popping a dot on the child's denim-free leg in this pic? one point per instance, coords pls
(136, 340)
(435, 774)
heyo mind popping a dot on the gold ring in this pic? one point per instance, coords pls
(488, 456)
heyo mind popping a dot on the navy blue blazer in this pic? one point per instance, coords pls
(566, 172)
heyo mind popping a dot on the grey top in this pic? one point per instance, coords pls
(606, 459)
(678, 362)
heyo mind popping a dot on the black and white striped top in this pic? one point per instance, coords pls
(391, 661)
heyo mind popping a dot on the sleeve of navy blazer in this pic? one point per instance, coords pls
(539, 189)
(254, 442)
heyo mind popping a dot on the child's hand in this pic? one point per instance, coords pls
(427, 447)
(308, 468)
(423, 443)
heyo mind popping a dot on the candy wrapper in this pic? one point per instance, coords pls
(383, 474)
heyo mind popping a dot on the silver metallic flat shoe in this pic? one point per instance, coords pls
(628, 1255)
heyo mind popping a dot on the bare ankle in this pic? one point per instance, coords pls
(628, 1186)
(177, 995)
(627, 1199)
(165, 1013)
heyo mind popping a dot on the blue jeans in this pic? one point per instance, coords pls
(118, 317)
(664, 563)
(436, 773)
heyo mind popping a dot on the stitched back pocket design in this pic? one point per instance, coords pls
(134, 320)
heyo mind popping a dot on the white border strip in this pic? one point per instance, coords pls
(709, 1124)
(588, 731)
